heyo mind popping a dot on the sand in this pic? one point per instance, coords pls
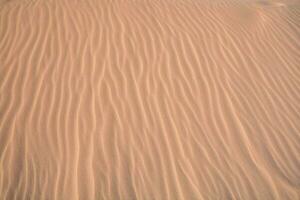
(149, 100)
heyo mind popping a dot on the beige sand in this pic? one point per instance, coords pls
(149, 100)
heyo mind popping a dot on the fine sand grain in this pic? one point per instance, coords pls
(149, 100)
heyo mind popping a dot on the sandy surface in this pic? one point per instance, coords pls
(149, 100)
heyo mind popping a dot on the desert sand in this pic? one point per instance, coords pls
(149, 100)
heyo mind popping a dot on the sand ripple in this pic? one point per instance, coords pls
(140, 99)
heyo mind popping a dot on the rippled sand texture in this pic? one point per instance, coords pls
(149, 100)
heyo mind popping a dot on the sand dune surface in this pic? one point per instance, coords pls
(149, 99)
